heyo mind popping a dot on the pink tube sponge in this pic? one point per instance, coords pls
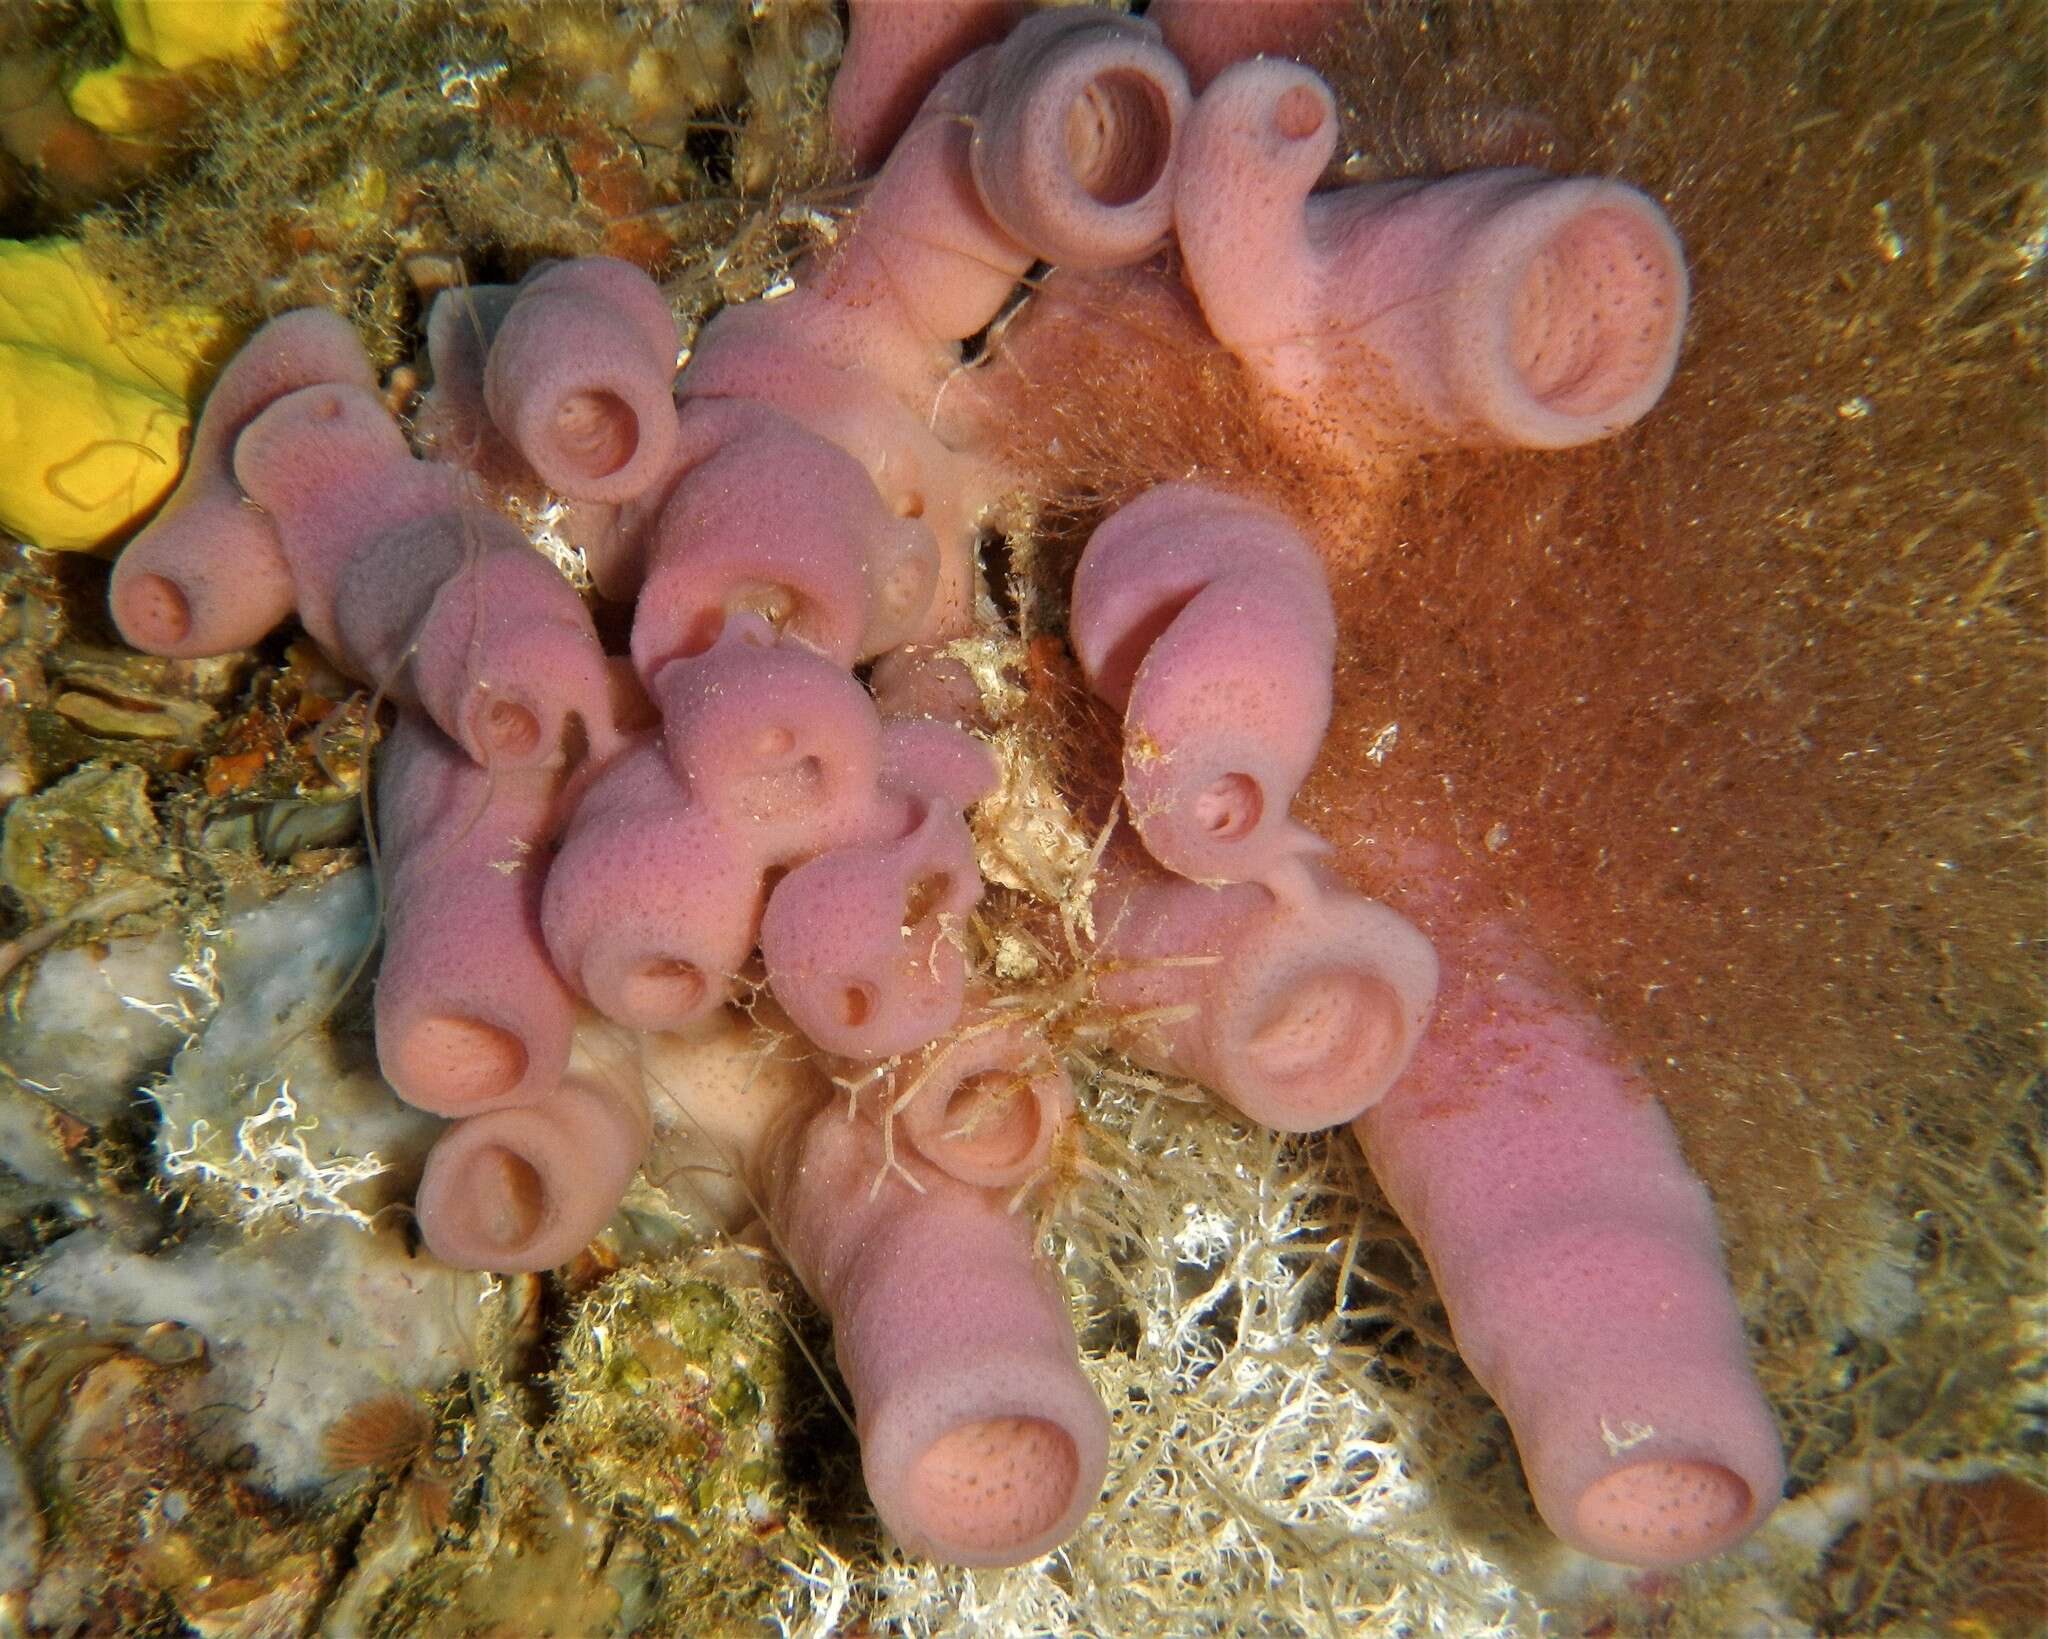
(1298, 1009)
(579, 376)
(1498, 307)
(527, 1189)
(1580, 1265)
(775, 740)
(981, 1441)
(772, 521)
(861, 944)
(1074, 138)
(1210, 35)
(894, 54)
(208, 574)
(1207, 618)
(470, 1015)
(652, 904)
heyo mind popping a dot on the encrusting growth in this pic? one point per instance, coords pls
(725, 812)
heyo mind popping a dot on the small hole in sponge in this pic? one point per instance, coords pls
(993, 1484)
(596, 432)
(449, 1062)
(1298, 114)
(1591, 319)
(510, 731)
(509, 1198)
(154, 612)
(856, 1005)
(1118, 135)
(1662, 1512)
(1230, 808)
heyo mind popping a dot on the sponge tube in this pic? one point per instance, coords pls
(981, 1441)
(1578, 1259)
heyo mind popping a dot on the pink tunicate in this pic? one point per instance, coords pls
(1206, 617)
(1074, 137)
(1498, 307)
(527, 1189)
(775, 740)
(981, 1440)
(860, 944)
(985, 1104)
(470, 1014)
(773, 521)
(208, 575)
(1209, 35)
(1579, 1261)
(652, 903)
(895, 53)
(1298, 1008)
(579, 378)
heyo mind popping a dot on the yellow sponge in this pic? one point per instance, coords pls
(134, 96)
(94, 401)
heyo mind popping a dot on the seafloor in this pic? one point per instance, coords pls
(1744, 707)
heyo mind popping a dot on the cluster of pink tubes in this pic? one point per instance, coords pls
(708, 806)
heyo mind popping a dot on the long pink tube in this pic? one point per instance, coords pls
(1579, 1261)
(1498, 307)
(981, 1440)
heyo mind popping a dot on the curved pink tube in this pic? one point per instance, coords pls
(452, 422)
(985, 1105)
(1579, 1261)
(527, 1189)
(458, 613)
(470, 1014)
(1207, 618)
(207, 575)
(773, 522)
(1498, 307)
(579, 378)
(775, 740)
(895, 53)
(1210, 35)
(1074, 139)
(651, 904)
(858, 942)
(332, 469)
(1300, 1011)
(981, 1441)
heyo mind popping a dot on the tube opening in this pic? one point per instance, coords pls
(1335, 1022)
(1663, 1512)
(994, 1485)
(510, 731)
(1298, 114)
(154, 612)
(662, 988)
(1230, 808)
(508, 1196)
(596, 432)
(1119, 132)
(1593, 316)
(457, 1062)
(991, 1121)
